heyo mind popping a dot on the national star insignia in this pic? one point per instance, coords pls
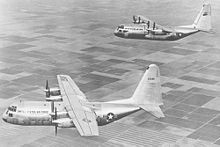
(110, 116)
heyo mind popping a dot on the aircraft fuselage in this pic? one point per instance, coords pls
(34, 113)
(141, 31)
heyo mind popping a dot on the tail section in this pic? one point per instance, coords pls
(203, 19)
(148, 94)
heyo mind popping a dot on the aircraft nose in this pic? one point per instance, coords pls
(4, 117)
(116, 32)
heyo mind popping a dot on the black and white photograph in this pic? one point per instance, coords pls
(109, 73)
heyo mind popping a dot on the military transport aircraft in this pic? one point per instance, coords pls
(144, 28)
(68, 107)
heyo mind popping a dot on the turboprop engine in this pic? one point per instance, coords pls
(67, 124)
(60, 122)
(52, 94)
(159, 32)
(64, 123)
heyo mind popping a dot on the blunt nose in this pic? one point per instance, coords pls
(4, 117)
(116, 32)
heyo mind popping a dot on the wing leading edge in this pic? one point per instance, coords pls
(74, 100)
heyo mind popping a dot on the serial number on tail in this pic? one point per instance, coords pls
(151, 78)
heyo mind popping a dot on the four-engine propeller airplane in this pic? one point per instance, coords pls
(67, 106)
(144, 28)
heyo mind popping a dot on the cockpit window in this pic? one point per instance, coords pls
(12, 108)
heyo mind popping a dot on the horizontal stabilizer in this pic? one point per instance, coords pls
(153, 109)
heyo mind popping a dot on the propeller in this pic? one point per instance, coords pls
(47, 89)
(148, 24)
(52, 106)
(154, 26)
(55, 117)
(135, 20)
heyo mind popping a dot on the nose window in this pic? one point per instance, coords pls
(10, 115)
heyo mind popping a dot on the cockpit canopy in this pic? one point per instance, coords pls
(12, 108)
(120, 27)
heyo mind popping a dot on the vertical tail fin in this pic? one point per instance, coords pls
(148, 90)
(203, 19)
(148, 94)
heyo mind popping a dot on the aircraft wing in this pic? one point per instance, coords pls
(151, 25)
(74, 100)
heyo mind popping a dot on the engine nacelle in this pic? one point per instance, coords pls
(67, 124)
(64, 123)
(54, 91)
(52, 94)
(59, 114)
(159, 32)
(54, 98)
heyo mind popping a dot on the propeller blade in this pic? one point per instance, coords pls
(47, 89)
(55, 117)
(148, 24)
(55, 129)
(52, 106)
(134, 19)
(154, 26)
(47, 85)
